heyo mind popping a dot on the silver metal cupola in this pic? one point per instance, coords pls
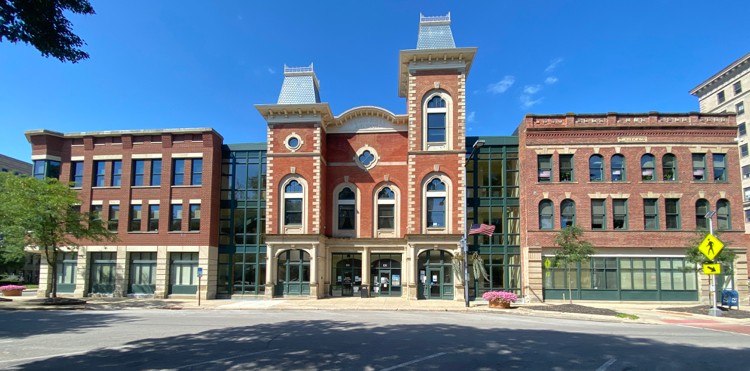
(435, 32)
(300, 86)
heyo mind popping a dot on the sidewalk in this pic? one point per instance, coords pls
(646, 312)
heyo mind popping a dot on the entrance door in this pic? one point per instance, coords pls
(435, 283)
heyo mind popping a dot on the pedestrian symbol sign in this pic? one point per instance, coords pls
(711, 246)
(711, 268)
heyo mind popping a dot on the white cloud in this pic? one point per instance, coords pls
(553, 64)
(528, 102)
(531, 89)
(501, 86)
(550, 80)
(470, 117)
(271, 70)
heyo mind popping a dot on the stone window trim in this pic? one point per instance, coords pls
(291, 139)
(448, 204)
(447, 110)
(283, 196)
(377, 201)
(354, 233)
(361, 157)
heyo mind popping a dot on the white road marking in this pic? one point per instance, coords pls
(606, 364)
(224, 359)
(414, 361)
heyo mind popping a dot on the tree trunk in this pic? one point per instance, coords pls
(52, 268)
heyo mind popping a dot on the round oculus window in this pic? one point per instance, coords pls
(366, 158)
(293, 142)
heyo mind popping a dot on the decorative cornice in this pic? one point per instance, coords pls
(435, 59)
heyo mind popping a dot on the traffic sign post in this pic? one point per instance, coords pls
(200, 274)
(710, 248)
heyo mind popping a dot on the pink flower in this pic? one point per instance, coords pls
(12, 287)
(503, 296)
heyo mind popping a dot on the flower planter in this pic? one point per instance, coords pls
(12, 292)
(499, 304)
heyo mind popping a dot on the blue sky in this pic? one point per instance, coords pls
(172, 64)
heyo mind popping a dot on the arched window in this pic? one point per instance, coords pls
(723, 220)
(596, 168)
(546, 215)
(435, 199)
(347, 210)
(701, 209)
(386, 209)
(293, 195)
(669, 167)
(567, 213)
(618, 168)
(647, 167)
(437, 122)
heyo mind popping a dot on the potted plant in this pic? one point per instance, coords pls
(12, 290)
(500, 299)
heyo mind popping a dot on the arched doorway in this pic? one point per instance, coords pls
(435, 269)
(293, 273)
(347, 274)
(385, 271)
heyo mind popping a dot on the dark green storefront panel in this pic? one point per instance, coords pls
(184, 289)
(640, 295)
(102, 288)
(600, 295)
(550, 294)
(679, 295)
(66, 287)
(142, 289)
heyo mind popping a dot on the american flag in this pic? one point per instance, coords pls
(484, 229)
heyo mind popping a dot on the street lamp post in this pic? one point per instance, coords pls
(474, 148)
(715, 312)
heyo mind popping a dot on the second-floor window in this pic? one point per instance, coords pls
(598, 214)
(723, 221)
(293, 203)
(672, 213)
(650, 214)
(114, 217)
(546, 215)
(155, 172)
(134, 223)
(567, 213)
(175, 218)
(386, 209)
(620, 213)
(346, 210)
(153, 218)
(701, 209)
(436, 196)
(195, 218)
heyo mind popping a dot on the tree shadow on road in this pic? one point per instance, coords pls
(23, 323)
(333, 345)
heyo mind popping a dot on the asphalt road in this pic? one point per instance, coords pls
(339, 340)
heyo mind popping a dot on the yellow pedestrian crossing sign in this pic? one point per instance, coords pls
(711, 246)
(711, 268)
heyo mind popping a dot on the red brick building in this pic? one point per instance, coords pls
(639, 185)
(156, 189)
(369, 198)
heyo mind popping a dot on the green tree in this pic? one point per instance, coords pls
(573, 249)
(45, 214)
(42, 24)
